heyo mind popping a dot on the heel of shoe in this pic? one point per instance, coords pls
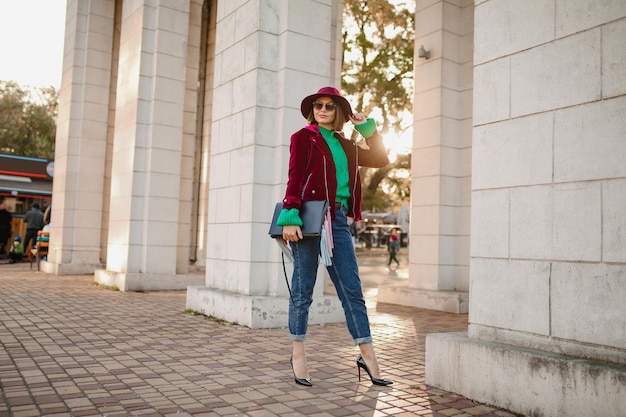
(300, 381)
(360, 363)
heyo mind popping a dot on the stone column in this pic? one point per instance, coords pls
(441, 161)
(266, 60)
(146, 170)
(547, 329)
(81, 141)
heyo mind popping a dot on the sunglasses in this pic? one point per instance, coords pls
(330, 106)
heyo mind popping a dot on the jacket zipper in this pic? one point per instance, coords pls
(325, 180)
(306, 183)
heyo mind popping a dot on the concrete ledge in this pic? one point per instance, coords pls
(258, 312)
(448, 301)
(146, 282)
(526, 381)
(67, 269)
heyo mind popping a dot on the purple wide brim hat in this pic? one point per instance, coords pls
(307, 103)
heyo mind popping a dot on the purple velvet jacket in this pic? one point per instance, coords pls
(312, 174)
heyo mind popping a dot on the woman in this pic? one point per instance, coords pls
(323, 165)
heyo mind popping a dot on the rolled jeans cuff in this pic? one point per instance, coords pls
(363, 340)
(297, 337)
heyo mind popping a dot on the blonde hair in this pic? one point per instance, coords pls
(340, 118)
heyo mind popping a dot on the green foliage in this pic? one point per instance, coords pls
(378, 45)
(27, 120)
(388, 187)
(106, 287)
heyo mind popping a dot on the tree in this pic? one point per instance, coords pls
(378, 45)
(27, 120)
(388, 186)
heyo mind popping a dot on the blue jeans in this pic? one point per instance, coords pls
(344, 273)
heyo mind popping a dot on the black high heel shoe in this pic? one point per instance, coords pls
(360, 363)
(301, 381)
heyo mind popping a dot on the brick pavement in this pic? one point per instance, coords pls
(72, 348)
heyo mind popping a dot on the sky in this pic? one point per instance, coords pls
(31, 49)
(31, 42)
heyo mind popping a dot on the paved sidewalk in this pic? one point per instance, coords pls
(71, 348)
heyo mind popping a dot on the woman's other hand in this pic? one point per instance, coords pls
(292, 233)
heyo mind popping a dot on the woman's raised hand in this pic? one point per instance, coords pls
(358, 118)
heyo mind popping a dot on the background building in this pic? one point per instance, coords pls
(24, 181)
(172, 148)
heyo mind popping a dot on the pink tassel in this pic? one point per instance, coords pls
(329, 232)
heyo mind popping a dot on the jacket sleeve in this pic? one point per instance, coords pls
(375, 155)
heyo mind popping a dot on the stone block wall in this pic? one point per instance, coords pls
(548, 180)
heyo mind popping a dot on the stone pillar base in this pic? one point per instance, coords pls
(525, 381)
(146, 282)
(67, 269)
(258, 312)
(448, 301)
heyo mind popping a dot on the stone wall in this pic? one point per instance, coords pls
(547, 333)
(548, 235)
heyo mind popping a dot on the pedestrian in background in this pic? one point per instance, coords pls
(5, 229)
(393, 247)
(323, 165)
(34, 223)
(16, 253)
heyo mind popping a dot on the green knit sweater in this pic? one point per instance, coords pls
(367, 129)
